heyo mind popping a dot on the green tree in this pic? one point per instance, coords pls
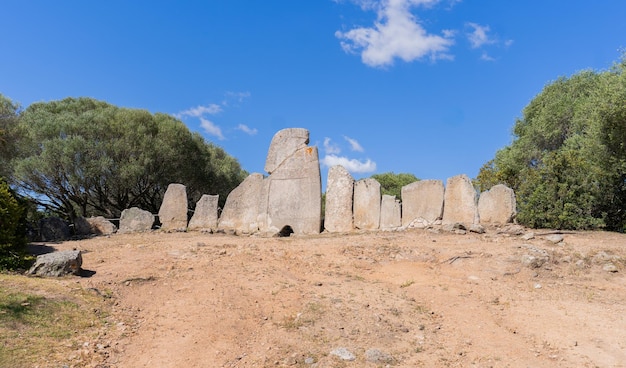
(9, 112)
(87, 157)
(567, 162)
(391, 184)
(12, 237)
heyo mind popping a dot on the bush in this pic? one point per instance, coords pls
(12, 239)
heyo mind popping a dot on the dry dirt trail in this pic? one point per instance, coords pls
(418, 298)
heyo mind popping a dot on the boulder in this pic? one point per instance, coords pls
(101, 226)
(173, 211)
(57, 264)
(460, 201)
(135, 220)
(241, 210)
(367, 201)
(422, 200)
(390, 213)
(339, 197)
(205, 215)
(54, 229)
(497, 205)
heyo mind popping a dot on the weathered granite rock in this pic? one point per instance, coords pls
(367, 201)
(284, 144)
(390, 213)
(460, 201)
(173, 211)
(339, 196)
(135, 220)
(497, 205)
(53, 229)
(241, 210)
(81, 226)
(100, 226)
(422, 200)
(57, 264)
(205, 215)
(294, 194)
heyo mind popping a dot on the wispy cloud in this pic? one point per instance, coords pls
(478, 36)
(212, 129)
(396, 33)
(330, 148)
(246, 129)
(199, 111)
(352, 165)
(237, 97)
(354, 144)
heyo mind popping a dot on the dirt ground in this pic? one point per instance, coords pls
(418, 298)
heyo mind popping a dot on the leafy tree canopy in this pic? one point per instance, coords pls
(567, 162)
(9, 112)
(81, 156)
(391, 184)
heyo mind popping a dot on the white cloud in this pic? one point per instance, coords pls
(238, 97)
(246, 129)
(479, 35)
(330, 148)
(354, 144)
(395, 34)
(486, 57)
(199, 111)
(352, 165)
(211, 128)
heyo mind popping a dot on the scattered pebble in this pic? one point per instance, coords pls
(343, 354)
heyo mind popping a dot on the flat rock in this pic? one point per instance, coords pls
(343, 354)
(173, 211)
(460, 201)
(497, 205)
(57, 264)
(339, 200)
(367, 201)
(422, 200)
(205, 214)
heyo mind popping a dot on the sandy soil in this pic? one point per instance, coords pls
(420, 298)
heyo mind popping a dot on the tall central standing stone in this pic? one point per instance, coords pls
(293, 191)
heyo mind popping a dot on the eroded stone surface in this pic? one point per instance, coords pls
(241, 210)
(339, 199)
(390, 213)
(284, 144)
(135, 220)
(173, 211)
(57, 264)
(422, 200)
(205, 215)
(497, 205)
(367, 201)
(460, 201)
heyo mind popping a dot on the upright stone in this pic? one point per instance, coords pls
(422, 200)
(284, 144)
(205, 215)
(240, 212)
(294, 194)
(497, 205)
(135, 220)
(367, 198)
(460, 203)
(173, 211)
(339, 199)
(390, 213)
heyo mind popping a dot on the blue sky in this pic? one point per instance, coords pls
(426, 87)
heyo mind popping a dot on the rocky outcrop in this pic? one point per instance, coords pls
(135, 220)
(367, 200)
(173, 211)
(460, 201)
(497, 205)
(339, 199)
(205, 215)
(57, 264)
(422, 201)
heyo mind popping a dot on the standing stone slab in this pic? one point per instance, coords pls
(284, 144)
(497, 205)
(460, 203)
(241, 210)
(367, 198)
(205, 215)
(173, 211)
(294, 194)
(57, 264)
(135, 220)
(339, 199)
(390, 213)
(422, 200)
